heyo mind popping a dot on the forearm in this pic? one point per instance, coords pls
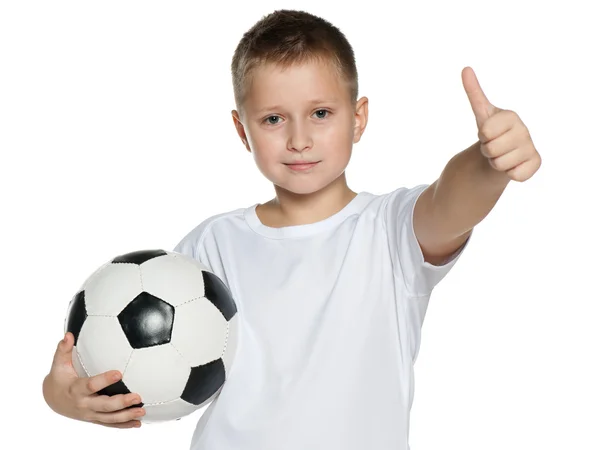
(466, 191)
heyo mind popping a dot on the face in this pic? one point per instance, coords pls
(300, 125)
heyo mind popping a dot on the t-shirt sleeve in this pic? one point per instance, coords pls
(419, 276)
(192, 244)
(187, 246)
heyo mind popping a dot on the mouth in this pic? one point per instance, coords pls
(302, 166)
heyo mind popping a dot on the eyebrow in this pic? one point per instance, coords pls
(312, 102)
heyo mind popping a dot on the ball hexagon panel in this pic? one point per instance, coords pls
(168, 277)
(147, 321)
(99, 269)
(102, 345)
(199, 332)
(167, 411)
(111, 289)
(159, 372)
(76, 360)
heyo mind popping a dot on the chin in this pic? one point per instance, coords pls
(300, 188)
(304, 186)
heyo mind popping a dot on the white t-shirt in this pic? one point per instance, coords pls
(330, 324)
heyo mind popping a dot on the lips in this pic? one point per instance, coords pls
(302, 165)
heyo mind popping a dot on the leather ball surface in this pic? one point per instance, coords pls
(165, 321)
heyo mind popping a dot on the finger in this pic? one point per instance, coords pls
(507, 161)
(122, 416)
(525, 170)
(502, 125)
(91, 385)
(130, 424)
(500, 145)
(105, 403)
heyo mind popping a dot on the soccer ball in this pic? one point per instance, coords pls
(165, 321)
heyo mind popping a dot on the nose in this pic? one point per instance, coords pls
(300, 139)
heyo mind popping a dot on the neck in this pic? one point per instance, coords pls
(288, 208)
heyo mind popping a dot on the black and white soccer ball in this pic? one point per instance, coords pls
(165, 321)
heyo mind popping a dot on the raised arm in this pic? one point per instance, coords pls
(474, 179)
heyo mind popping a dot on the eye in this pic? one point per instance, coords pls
(271, 117)
(268, 120)
(322, 111)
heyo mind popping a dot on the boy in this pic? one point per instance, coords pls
(332, 285)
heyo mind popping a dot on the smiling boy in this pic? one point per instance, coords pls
(332, 285)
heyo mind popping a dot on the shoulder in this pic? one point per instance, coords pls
(402, 200)
(405, 193)
(191, 242)
(391, 203)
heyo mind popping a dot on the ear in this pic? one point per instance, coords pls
(361, 117)
(239, 127)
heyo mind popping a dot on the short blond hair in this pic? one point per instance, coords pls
(287, 37)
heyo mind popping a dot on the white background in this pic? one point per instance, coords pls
(116, 135)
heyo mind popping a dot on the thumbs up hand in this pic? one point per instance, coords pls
(504, 139)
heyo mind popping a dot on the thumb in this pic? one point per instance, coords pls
(64, 352)
(481, 106)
